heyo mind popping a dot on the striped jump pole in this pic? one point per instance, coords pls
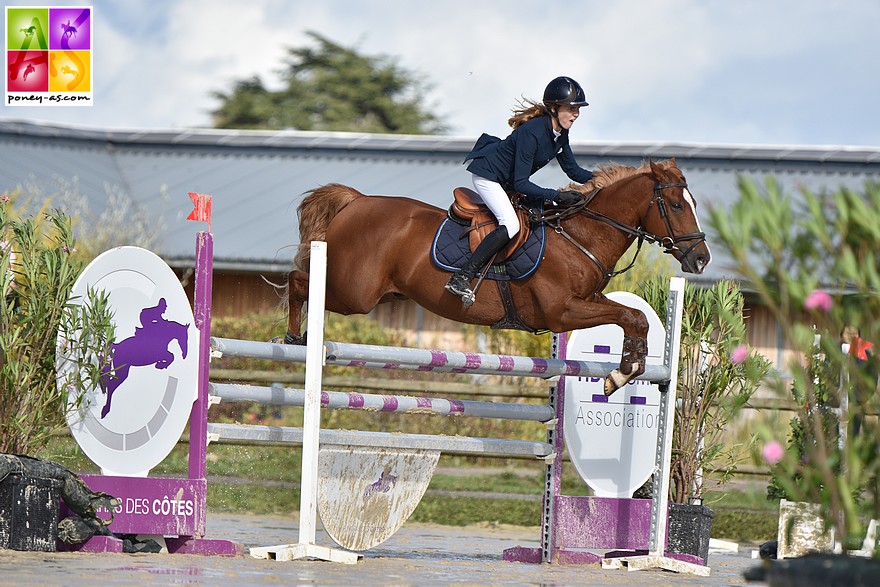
(278, 395)
(393, 358)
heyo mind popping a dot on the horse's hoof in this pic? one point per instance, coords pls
(295, 339)
(615, 381)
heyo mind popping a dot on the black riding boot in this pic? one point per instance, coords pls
(459, 283)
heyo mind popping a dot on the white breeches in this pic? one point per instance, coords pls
(497, 200)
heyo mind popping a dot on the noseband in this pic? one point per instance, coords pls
(669, 243)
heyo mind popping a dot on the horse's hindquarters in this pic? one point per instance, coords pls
(378, 249)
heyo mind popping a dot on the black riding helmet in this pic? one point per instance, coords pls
(564, 90)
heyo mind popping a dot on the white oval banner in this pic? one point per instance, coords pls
(131, 421)
(612, 440)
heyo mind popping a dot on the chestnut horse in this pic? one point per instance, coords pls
(378, 250)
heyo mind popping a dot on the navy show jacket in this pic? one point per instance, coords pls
(512, 161)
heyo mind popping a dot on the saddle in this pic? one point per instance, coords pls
(467, 212)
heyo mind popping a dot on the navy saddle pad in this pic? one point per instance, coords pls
(451, 250)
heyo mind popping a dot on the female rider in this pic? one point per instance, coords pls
(504, 166)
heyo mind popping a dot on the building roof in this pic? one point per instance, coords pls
(257, 177)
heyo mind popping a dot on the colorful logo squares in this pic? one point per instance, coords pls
(48, 55)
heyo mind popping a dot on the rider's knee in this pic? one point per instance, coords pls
(512, 226)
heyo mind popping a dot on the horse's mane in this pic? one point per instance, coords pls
(610, 173)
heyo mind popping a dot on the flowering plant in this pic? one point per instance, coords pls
(814, 264)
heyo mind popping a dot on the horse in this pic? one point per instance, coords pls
(29, 32)
(148, 346)
(69, 30)
(378, 250)
(67, 70)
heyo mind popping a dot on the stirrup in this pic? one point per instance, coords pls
(461, 288)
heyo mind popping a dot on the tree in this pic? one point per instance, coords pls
(332, 88)
(122, 221)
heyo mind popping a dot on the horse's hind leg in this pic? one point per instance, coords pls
(297, 295)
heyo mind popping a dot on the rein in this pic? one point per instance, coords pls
(669, 243)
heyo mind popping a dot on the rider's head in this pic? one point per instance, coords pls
(564, 91)
(563, 99)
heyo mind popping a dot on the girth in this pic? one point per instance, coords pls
(511, 319)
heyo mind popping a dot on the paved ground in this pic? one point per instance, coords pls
(419, 554)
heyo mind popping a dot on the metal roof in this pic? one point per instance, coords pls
(256, 177)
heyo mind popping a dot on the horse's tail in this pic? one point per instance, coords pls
(316, 211)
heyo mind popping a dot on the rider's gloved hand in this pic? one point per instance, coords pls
(567, 198)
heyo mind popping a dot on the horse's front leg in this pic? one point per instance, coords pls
(297, 294)
(165, 360)
(580, 314)
(111, 383)
(632, 363)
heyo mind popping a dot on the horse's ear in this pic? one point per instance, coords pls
(656, 168)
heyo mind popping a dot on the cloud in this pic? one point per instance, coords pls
(784, 72)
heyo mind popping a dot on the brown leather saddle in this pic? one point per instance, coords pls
(464, 209)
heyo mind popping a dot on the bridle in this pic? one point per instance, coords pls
(670, 243)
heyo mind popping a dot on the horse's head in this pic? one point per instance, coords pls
(672, 218)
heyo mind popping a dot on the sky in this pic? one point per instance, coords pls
(755, 72)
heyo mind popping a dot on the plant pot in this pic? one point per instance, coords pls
(29, 512)
(802, 530)
(689, 529)
(818, 570)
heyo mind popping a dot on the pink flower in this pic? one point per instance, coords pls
(818, 300)
(773, 452)
(739, 354)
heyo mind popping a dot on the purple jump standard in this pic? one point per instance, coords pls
(172, 507)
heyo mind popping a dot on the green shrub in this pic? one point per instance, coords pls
(37, 274)
(713, 385)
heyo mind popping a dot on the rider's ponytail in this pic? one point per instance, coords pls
(527, 110)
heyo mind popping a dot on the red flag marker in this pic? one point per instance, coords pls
(202, 210)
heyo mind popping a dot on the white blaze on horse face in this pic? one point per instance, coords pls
(693, 204)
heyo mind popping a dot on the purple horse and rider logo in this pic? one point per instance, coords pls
(147, 347)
